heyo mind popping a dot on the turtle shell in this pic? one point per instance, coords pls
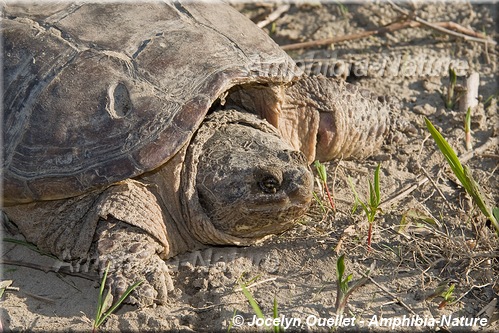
(98, 93)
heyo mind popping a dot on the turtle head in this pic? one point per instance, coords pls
(249, 183)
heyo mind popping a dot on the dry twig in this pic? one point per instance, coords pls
(257, 283)
(273, 16)
(445, 27)
(389, 293)
(403, 192)
(411, 22)
(49, 269)
(334, 40)
(435, 185)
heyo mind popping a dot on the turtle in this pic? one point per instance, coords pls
(134, 132)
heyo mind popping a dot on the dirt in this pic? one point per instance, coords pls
(432, 237)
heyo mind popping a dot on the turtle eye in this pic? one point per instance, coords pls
(269, 184)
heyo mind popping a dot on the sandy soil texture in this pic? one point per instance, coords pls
(425, 239)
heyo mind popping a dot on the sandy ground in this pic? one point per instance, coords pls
(447, 243)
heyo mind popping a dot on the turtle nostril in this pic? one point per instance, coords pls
(269, 184)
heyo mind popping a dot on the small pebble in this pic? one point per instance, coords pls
(426, 109)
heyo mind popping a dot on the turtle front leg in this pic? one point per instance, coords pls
(352, 121)
(131, 234)
(324, 118)
(133, 255)
(123, 225)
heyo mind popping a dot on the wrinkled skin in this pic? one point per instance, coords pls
(252, 184)
(247, 184)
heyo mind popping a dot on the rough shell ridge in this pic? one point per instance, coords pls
(94, 94)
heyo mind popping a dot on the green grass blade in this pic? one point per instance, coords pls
(355, 195)
(118, 303)
(103, 301)
(490, 98)
(105, 305)
(340, 271)
(449, 154)
(100, 299)
(467, 129)
(340, 268)
(450, 98)
(231, 324)
(252, 301)
(357, 198)
(467, 120)
(476, 192)
(478, 198)
(447, 294)
(319, 201)
(372, 195)
(376, 185)
(462, 173)
(275, 313)
(321, 170)
(452, 76)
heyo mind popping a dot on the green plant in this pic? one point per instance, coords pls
(231, 324)
(257, 310)
(251, 301)
(319, 201)
(467, 129)
(489, 99)
(418, 216)
(275, 314)
(451, 98)
(495, 212)
(343, 8)
(273, 29)
(447, 295)
(343, 290)
(370, 208)
(463, 174)
(321, 171)
(104, 304)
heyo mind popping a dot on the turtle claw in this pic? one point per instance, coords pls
(153, 288)
(133, 255)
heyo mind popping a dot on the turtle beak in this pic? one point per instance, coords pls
(300, 185)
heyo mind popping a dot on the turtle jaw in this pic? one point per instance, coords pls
(268, 222)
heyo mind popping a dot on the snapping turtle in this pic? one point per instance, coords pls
(134, 132)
